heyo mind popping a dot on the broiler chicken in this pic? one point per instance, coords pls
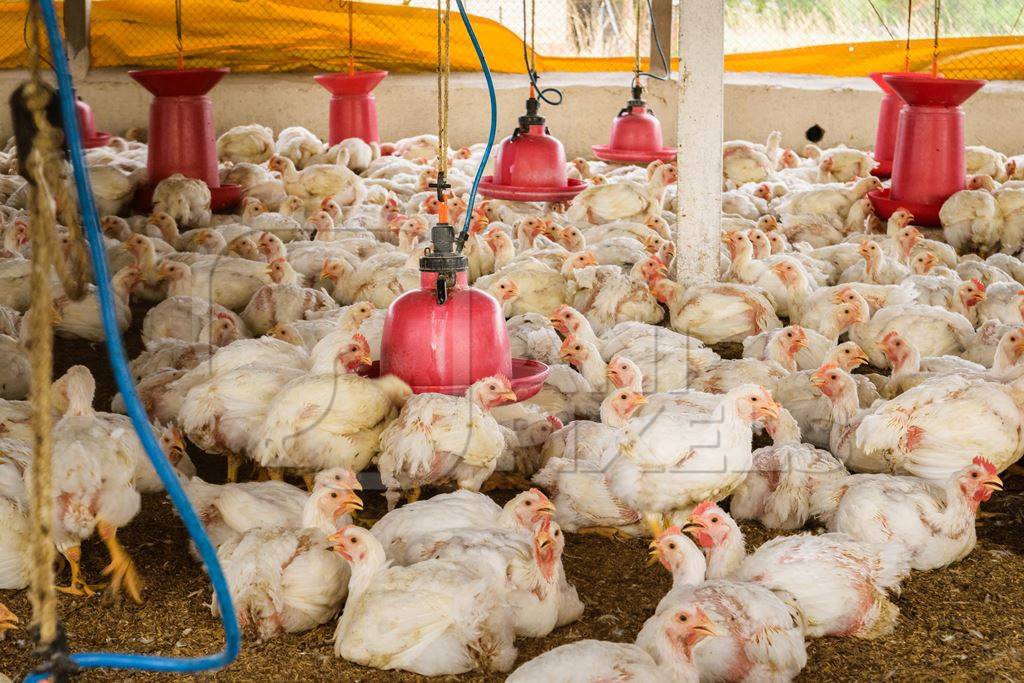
(839, 583)
(933, 522)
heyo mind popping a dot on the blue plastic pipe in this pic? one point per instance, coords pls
(494, 120)
(118, 361)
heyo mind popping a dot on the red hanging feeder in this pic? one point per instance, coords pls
(353, 112)
(636, 135)
(446, 335)
(181, 131)
(928, 165)
(90, 136)
(530, 164)
(888, 121)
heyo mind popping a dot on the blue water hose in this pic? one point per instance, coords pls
(494, 121)
(119, 363)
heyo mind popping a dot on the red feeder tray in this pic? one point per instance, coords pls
(888, 122)
(885, 206)
(353, 112)
(181, 131)
(87, 125)
(528, 377)
(446, 335)
(530, 165)
(636, 135)
(929, 164)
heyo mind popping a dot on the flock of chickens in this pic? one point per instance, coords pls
(258, 324)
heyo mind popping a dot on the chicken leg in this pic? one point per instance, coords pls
(310, 480)
(655, 523)
(121, 569)
(8, 620)
(77, 586)
(413, 495)
(276, 473)
(234, 463)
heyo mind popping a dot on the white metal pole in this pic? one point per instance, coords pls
(701, 63)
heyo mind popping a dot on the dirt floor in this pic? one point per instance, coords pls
(962, 623)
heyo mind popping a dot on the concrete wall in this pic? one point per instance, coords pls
(754, 105)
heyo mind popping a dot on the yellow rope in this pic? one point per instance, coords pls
(45, 150)
(444, 67)
(637, 67)
(935, 43)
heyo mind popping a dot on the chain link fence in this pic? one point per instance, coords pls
(979, 38)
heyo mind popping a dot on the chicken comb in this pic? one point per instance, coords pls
(825, 368)
(568, 341)
(892, 334)
(279, 259)
(555, 423)
(702, 508)
(225, 316)
(503, 379)
(671, 531)
(978, 283)
(540, 494)
(984, 463)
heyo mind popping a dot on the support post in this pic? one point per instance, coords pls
(661, 30)
(76, 34)
(699, 214)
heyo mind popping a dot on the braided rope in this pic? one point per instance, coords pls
(444, 68)
(45, 151)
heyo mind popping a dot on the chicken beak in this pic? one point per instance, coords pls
(351, 503)
(768, 409)
(800, 343)
(1019, 346)
(705, 628)
(860, 357)
(818, 380)
(993, 483)
(509, 396)
(366, 359)
(638, 400)
(693, 526)
(177, 453)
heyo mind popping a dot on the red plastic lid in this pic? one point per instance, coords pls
(927, 90)
(178, 82)
(528, 377)
(345, 83)
(518, 193)
(626, 156)
(924, 214)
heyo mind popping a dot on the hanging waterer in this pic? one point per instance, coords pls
(446, 335)
(90, 136)
(636, 135)
(530, 164)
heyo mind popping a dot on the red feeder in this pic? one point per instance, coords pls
(530, 165)
(353, 111)
(929, 162)
(87, 125)
(888, 120)
(445, 336)
(181, 132)
(636, 135)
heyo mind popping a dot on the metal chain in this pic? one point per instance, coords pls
(935, 41)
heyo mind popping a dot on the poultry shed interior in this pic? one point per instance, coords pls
(665, 368)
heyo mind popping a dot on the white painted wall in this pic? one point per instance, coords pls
(754, 105)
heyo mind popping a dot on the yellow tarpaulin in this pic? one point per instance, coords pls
(312, 35)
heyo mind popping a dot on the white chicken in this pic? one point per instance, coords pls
(187, 200)
(934, 523)
(839, 583)
(285, 580)
(251, 144)
(437, 437)
(432, 618)
(627, 200)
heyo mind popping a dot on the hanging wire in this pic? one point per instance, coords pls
(552, 96)
(657, 44)
(443, 74)
(1017, 20)
(177, 26)
(351, 47)
(906, 49)
(880, 19)
(935, 40)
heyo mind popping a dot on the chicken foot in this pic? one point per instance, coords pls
(76, 586)
(121, 569)
(234, 463)
(8, 620)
